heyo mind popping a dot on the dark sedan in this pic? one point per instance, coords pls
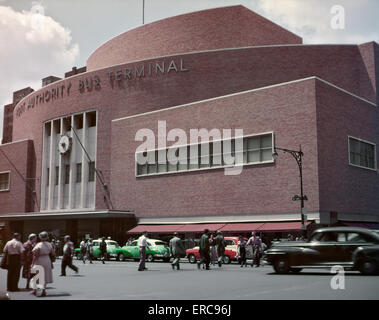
(351, 248)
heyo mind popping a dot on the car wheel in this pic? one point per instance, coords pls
(281, 265)
(191, 258)
(150, 258)
(368, 267)
(227, 260)
(79, 256)
(121, 257)
(296, 270)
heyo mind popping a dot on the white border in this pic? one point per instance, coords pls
(367, 142)
(9, 181)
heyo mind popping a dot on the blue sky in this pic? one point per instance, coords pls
(49, 37)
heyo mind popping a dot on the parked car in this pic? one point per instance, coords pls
(350, 247)
(230, 251)
(157, 249)
(112, 249)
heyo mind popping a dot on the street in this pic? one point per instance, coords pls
(121, 280)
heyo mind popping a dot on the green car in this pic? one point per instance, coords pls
(157, 249)
(113, 249)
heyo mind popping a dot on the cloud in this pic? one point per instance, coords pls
(311, 19)
(32, 46)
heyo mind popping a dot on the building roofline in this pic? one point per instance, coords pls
(243, 92)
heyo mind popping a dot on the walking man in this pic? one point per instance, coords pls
(221, 244)
(256, 243)
(13, 253)
(242, 251)
(103, 250)
(204, 250)
(142, 244)
(68, 252)
(177, 250)
(83, 250)
(89, 250)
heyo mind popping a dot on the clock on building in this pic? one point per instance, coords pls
(64, 144)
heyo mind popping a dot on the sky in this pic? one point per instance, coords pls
(49, 37)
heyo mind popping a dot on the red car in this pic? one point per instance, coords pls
(230, 251)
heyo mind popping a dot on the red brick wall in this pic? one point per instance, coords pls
(229, 27)
(17, 200)
(210, 75)
(8, 123)
(287, 110)
(344, 188)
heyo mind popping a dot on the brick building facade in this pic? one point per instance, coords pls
(225, 68)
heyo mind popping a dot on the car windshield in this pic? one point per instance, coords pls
(315, 237)
(160, 243)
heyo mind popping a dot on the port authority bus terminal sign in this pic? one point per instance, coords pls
(93, 82)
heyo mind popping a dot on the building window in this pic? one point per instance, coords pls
(362, 153)
(56, 175)
(91, 171)
(208, 155)
(5, 181)
(48, 177)
(91, 119)
(78, 172)
(67, 174)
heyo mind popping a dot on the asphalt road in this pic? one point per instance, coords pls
(121, 280)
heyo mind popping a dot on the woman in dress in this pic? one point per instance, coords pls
(44, 255)
(28, 258)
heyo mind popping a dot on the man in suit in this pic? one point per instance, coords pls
(68, 252)
(177, 250)
(204, 250)
(14, 251)
(220, 242)
(142, 244)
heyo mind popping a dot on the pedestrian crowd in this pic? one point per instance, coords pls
(37, 251)
(211, 250)
(43, 253)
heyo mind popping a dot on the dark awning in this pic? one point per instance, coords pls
(282, 226)
(171, 228)
(212, 227)
(168, 228)
(230, 227)
(241, 227)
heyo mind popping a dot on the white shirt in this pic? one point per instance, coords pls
(142, 241)
(13, 247)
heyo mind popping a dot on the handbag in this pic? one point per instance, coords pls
(4, 261)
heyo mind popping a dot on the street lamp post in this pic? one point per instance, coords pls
(298, 155)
